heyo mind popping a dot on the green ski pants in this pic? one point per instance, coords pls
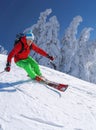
(30, 66)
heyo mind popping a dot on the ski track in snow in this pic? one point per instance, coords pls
(28, 105)
(85, 96)
(42, 121)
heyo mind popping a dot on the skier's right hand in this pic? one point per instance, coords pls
(7, 69)
(50, 57)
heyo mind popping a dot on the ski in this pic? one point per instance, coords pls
(58, 86)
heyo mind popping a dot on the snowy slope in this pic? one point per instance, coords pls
(28, 105)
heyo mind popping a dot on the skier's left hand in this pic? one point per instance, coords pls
(50, 57)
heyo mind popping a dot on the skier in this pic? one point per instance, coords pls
(22, 59)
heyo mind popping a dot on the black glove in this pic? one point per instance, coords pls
(50, 57)
(7, 69)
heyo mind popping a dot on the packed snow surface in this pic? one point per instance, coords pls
(28, 105)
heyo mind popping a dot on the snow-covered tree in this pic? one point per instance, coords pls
(82, 53)
(3, 51)
(85, 35)
(69, 45)
(49, 41)
(79, 55)
(90, 65)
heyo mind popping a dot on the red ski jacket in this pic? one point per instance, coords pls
(25, 52)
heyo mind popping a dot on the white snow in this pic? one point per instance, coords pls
(28, 105)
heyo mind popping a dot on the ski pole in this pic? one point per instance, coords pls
(2, 71)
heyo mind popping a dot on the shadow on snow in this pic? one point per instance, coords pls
(10, 87)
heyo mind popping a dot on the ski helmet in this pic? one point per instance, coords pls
(29, 35)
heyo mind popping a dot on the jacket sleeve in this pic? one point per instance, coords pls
(39, 50)
(14, 51)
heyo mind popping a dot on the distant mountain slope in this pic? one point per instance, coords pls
(28, 105)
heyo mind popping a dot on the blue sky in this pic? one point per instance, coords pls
(16, 15)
